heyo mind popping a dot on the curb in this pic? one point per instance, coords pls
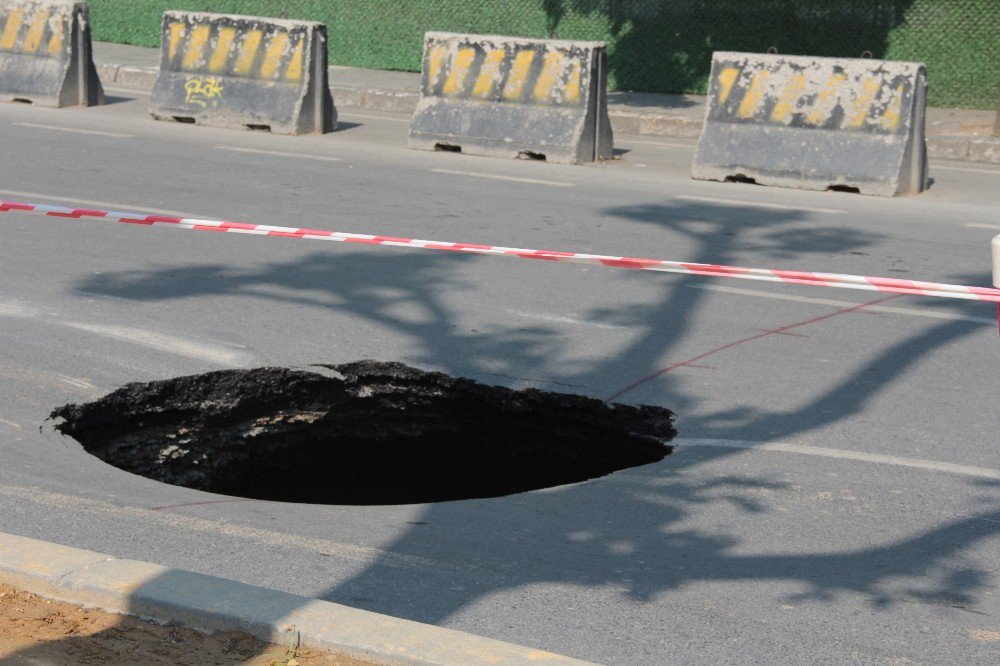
(662, 124)
(204, 602)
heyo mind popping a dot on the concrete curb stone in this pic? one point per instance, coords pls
(646, 122)
(209, 603)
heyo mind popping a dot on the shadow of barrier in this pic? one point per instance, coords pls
(815, 123)
(243, 72)
(45, 54)
(512, 97)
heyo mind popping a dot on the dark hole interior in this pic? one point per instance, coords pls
(531, 155)
(259, 128)
(184, 119)
(447, 147)
(22, 100)
(740, 178)
(362, 433)
(843, 188)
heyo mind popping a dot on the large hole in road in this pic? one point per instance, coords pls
(361, 433)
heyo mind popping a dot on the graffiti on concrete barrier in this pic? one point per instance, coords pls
(205, 91)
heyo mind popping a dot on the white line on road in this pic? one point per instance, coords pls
(36, 196)
(973, 225)
(59, 128)
(966, 169)
(513, 179)
(134, 91)
(564, 320)
(659, 144)
(153, 339)
(347, 115)
(888, 309)
(162, 342)
(278, 153)
(106, 297)
(69, 504)
(77, 382)
(859, 456)
(10, 423)
(758, 204)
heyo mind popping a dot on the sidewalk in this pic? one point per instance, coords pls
(953, 134)
(207, 603)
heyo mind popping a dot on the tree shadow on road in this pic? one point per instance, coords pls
(632, 531)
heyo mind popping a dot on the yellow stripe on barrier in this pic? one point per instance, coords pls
(863, 102)
(294, 71)
(890, 119)
(518, 74)
(38, 24)
(223, 45)
(823, 106)
(14, 21)
(753, 97)
(572, 93)
(248, 51)
(549, 77)
(790, 95)
(272, 56)
(726, 80)
(176, 32)
(435, 59)
(459, 70)
(489, 73)
(56, 43)
(196, 46)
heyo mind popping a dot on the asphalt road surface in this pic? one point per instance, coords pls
(834, 496)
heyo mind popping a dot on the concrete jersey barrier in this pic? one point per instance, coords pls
(513, 97)
(815, 123)
(45, 54)
(243, 72)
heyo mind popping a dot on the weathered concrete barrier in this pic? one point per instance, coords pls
(512, 97)
(243, 72)
(45, 55)
(815, 123)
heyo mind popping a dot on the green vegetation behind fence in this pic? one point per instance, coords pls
(654, 45)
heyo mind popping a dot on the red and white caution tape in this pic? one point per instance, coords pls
(890, 285)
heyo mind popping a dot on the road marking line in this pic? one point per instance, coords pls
(973, 225)
(346, 551)
(278, 153)
(107, 297)
(658, 144)
(98, 204)
(161, 342)
(564, 320)
(74, 130)
(513, 179)
(757, 204)
(888, 309)
(349, 115)
(966, 169)
(153, 339)
(843, 454)
(74, 381)
(134, 91)
(11, 424)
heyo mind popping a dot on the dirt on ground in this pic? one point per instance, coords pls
(34, 630)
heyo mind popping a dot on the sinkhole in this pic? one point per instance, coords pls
(368, 432)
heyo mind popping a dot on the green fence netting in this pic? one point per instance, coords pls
(654, 45)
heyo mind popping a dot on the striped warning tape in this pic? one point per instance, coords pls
(891, 285)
